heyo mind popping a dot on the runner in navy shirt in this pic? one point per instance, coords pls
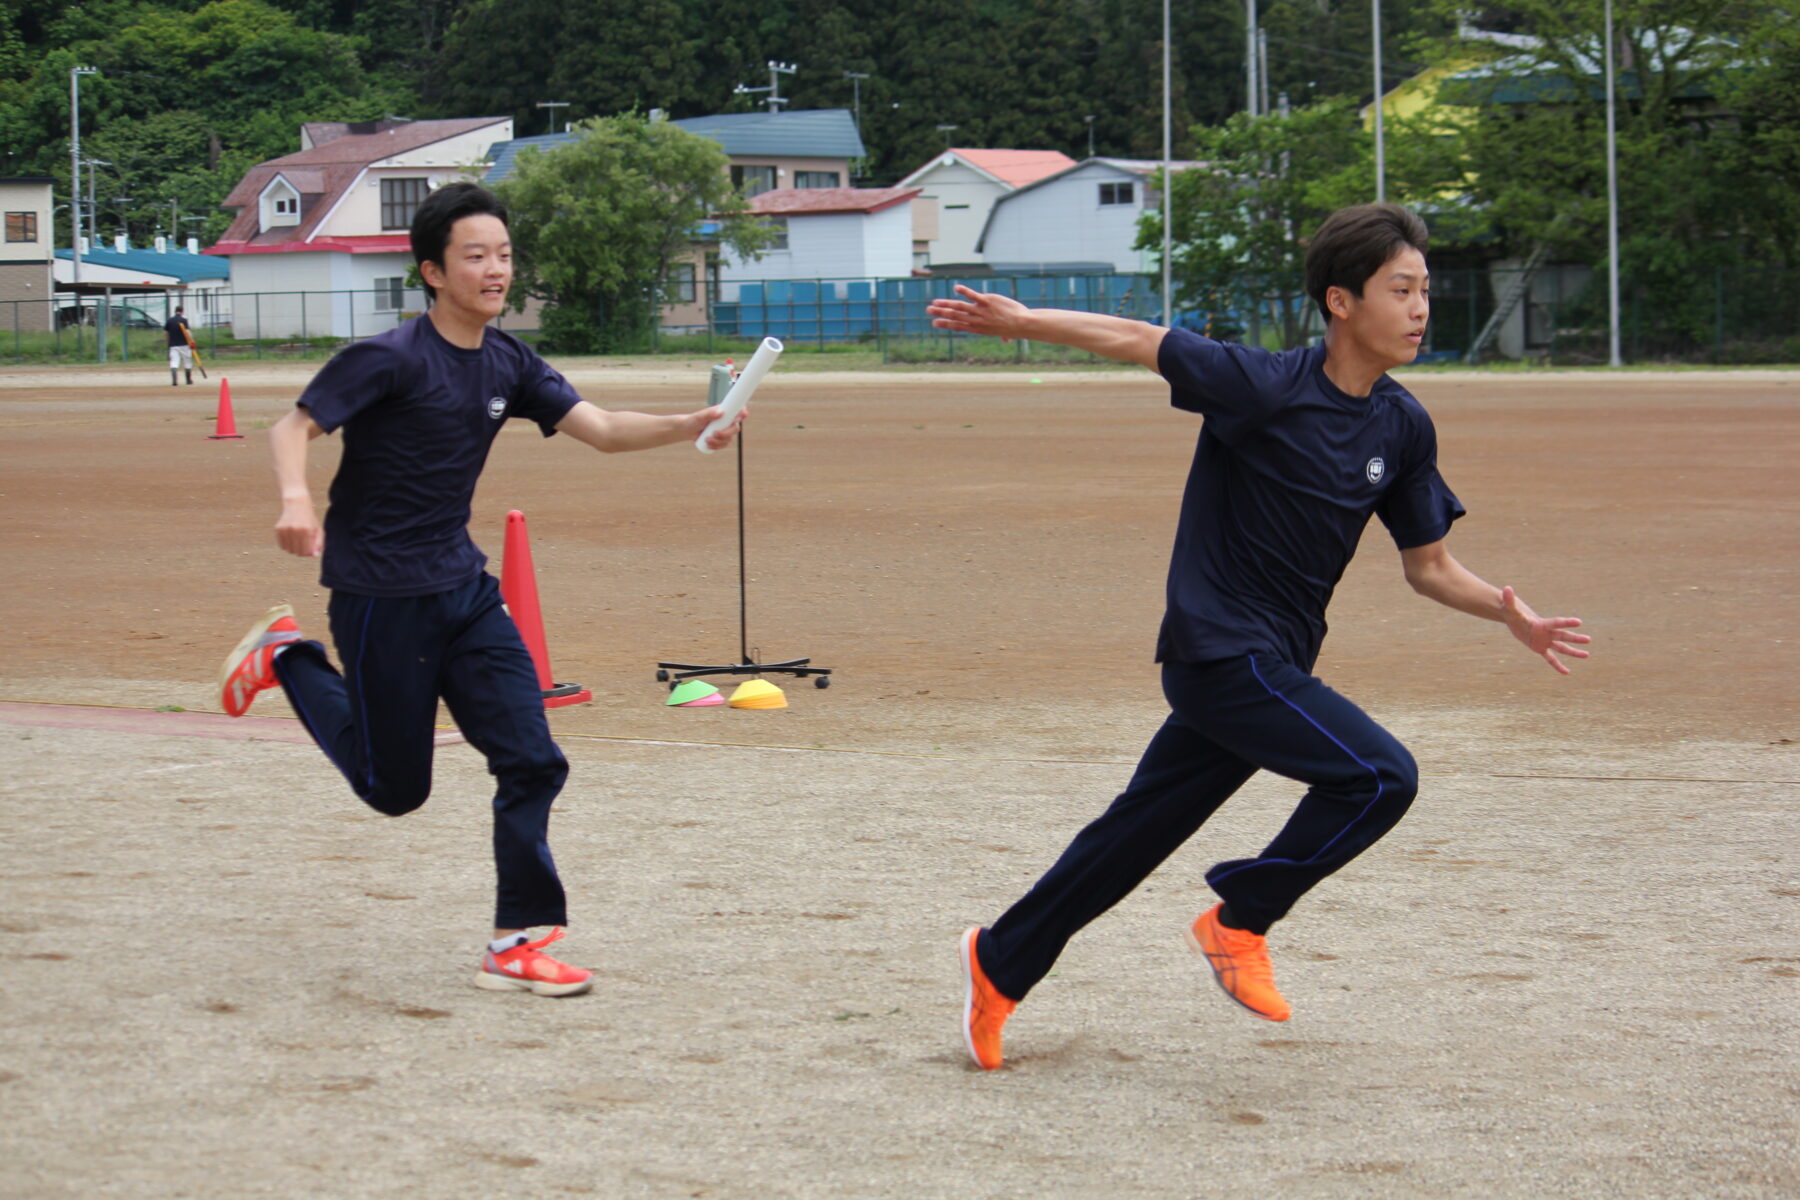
(1297, 450)
(413, 614)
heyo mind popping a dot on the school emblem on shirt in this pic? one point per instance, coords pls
(497, 409)
(1375, 470)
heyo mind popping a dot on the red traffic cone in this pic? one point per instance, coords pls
(227, 424)
(518, 587)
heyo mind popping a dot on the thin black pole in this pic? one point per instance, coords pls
(743, 575)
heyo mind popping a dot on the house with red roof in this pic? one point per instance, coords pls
(830, 233)
(965, 184)
(320, 237)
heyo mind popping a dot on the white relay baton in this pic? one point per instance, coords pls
(739, 395)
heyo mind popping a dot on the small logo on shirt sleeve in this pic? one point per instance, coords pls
(497, 409)
(1375, 470)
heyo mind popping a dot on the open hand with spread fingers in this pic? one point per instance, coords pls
(986, 313)
(1545, 636)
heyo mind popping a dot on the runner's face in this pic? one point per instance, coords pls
(1388, 320)
(477, 269)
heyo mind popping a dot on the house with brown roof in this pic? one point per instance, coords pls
(966, 183)
(319, 246)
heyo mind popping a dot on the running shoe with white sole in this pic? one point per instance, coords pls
(525, 968)
(250, 668)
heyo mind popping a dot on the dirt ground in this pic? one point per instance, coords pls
(1573, 970)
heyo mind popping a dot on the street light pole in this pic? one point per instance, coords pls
(75, 74)
(1380, 147)
(1168, 178)
(1612, 205)
(1090, 124)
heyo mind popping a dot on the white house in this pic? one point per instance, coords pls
(319, 246)
(1081, 219)
(25, 254)
(830, 233)
(965, 183)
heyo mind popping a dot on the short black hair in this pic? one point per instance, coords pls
(1352, 245)
(439, 212)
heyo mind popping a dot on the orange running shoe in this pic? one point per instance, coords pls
(984, 1011)
(250, 668)
(525, 968)
(1240, 962)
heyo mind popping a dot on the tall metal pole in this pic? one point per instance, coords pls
(1168, 179)
(1612, 205)
(75, 74)
(1250, 56)
(1380, 143)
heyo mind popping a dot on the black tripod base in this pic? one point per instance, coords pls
(669, 672)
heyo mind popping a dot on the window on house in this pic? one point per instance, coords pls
(753, 181)
(815, 179)
(21, 227)
(678, 285)
(400, 199)
(390, 293)
(780, 226)
(1116, 193)
(286, 206)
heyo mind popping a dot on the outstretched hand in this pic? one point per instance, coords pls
(1544, 636)
(986, 313)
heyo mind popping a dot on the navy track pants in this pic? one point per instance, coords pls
(1229, 718)
(377, 720)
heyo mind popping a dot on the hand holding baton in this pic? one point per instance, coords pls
(739, 395)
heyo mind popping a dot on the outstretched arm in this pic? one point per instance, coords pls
(994, 315)
(1433, 573)
(613, 432)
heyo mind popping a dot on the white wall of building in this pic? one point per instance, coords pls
(833, 246)
(1063, 221)
(317, 294)
(964, 197)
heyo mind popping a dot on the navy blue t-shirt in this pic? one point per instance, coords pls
(418, 416)
(1288, 470)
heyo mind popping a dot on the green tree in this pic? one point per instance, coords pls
(1693, 196)
(598, 222)
(1240, 218)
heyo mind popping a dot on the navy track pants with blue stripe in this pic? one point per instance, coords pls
(1229, 719)
(377, 720)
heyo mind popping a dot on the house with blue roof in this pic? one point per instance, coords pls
(161, 276)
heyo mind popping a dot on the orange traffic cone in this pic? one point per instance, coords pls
(227, 424)
(518, 587)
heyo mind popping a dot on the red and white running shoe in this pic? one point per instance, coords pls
(526, 968)
(250, 668)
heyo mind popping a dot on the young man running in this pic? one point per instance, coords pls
(1298, 449)
(413, 614)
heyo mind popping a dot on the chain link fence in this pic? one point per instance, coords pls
(1556, 315)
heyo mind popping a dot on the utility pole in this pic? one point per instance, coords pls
(75, 74)
(776, 99)
(1090, 124)
(93, 203)
(947, 130)
(856, 78)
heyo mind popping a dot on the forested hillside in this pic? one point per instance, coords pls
(190, 94)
